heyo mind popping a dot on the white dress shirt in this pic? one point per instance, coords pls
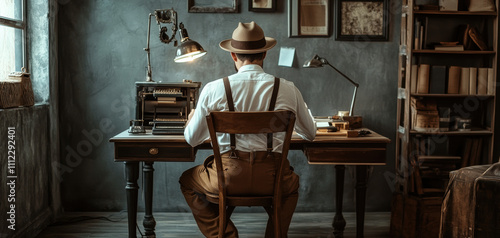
(252, 89)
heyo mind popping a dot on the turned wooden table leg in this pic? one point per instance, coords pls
(132, 188)
(338, 220)
(149, 221)
(361, 174)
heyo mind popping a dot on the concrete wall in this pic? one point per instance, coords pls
(101, 56)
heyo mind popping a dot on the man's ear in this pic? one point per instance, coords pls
(233, 55)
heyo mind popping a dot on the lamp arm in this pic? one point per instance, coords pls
(356, 85)
(149, 71)
(345, 76)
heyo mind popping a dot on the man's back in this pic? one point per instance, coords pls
(251, 91)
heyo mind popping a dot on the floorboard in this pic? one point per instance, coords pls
(182, 225)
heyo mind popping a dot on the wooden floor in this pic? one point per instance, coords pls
(182, 225)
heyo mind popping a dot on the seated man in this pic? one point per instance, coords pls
(251, 91)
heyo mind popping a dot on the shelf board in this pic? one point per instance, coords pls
(465, 52)
(455, 133)
(449, 95)
(466, 13)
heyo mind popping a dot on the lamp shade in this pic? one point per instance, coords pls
(188, 51)
(315, 62)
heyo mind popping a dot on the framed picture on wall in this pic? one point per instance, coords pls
(219, 6)
(262, 5)
(362, 20)
(309, 18)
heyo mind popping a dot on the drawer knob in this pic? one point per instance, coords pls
(153, 151)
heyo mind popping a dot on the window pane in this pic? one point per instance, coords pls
(11, 46)
(11, 9)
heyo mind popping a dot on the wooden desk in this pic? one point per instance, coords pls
(327, 149)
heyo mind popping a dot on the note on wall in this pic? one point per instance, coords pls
(286, 56)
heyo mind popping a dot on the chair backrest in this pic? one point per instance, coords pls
(250, 123)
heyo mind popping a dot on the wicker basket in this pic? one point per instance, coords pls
(16, 90)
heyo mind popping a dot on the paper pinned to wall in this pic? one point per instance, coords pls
(286, 56)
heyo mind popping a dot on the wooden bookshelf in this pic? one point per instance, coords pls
(416, 183)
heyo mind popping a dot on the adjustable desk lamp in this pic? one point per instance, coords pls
(187, 51)
(316, 62)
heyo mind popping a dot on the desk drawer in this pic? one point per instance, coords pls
(347, 156)
(175, 152)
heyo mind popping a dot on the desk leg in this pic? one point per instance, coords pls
(361, 174)
(149, 221)
(131, 175)
(338, 220)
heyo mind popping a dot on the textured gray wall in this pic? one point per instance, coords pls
(101, 56)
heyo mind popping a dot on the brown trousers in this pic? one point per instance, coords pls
(252, 173)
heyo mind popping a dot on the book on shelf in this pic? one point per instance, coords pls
(491, 82)
(437, 79)
(423, 78)
(482, 81)
(416, 34)
(473, 81)
(464, 81)
(413, 78)
(449, 47)
(421, 38)
(454, 75)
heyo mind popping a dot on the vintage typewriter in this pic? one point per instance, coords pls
(163, 107)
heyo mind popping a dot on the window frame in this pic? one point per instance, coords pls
(22, 25)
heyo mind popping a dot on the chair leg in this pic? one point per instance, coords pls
(276, 221)
(274, 216)
(222, 220)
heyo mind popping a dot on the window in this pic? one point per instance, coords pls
(12, 36)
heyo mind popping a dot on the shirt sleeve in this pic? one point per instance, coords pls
(304, 124)
(196, 131)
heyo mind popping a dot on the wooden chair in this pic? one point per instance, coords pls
(249, 123)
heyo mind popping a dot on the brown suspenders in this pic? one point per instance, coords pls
(230, 102)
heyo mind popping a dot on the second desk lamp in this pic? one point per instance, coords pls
(354, 121)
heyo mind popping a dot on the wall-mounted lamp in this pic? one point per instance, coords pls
(317, 62)
(187, 51)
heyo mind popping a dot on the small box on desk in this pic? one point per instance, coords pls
(355, 122)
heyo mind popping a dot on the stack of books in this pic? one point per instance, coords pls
(449, 46)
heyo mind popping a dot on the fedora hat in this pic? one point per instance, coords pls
(248, 38)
